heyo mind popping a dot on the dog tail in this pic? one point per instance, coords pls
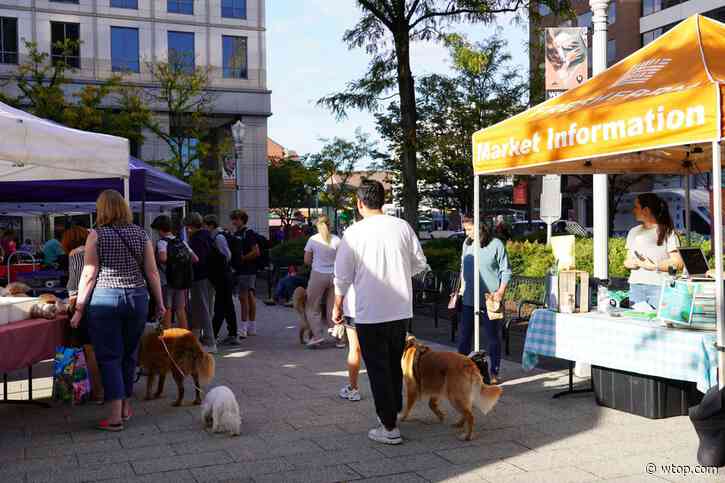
(485, 396)
(298, 300)
(206, 368)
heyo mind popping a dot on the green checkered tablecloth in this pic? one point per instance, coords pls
(634, 345)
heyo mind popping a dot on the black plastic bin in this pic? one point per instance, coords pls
(648, 396)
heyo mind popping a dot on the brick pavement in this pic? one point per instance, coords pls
(296, 429)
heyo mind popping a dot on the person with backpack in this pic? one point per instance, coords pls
(175, 260)
(245, 254)
(222, 279)
(201, 289)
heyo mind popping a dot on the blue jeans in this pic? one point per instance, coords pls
(641, 292)
(492, 331)
(286, 286)
(116, 320)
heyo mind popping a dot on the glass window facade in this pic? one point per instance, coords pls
(180, 6)
(8, 40)
(124, 50)
(234, 8)
(611, 52)
(59, 32)
(132, 4)
(181, 50)
(234, 56)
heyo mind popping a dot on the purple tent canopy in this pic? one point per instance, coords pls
(145, 180)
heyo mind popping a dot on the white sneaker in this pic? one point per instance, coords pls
(347, 392)
(315, 342)
(382, 435)
(243, 333)
(251, 328)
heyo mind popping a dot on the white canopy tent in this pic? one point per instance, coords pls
(32, 148)
(36, 209)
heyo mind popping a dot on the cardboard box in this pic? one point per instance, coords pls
(573, 291)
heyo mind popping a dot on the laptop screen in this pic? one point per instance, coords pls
(694, 260)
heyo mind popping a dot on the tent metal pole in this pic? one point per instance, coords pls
(476, 261)
(126, 190)
(688, 218)
(600, 182)
(717, 232)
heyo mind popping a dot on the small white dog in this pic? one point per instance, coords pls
(220, 411)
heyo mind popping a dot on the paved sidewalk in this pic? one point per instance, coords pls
(296, 429)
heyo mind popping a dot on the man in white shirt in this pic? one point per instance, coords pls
(379, 256)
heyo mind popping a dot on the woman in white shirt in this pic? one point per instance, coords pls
(651, 249)
(320, 253)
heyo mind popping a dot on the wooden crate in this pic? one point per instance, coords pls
(573, 291)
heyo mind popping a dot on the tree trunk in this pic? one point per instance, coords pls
(406, 87)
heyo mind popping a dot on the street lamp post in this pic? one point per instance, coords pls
(238, 130)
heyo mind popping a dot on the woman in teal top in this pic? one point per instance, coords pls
(494, 273)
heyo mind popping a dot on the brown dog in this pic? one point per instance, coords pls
(445, 374)
(188, 359)
(299, 302)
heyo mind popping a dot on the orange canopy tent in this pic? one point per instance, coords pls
(644, 114)
(634, 117)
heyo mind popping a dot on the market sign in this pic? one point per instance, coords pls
(666, 94)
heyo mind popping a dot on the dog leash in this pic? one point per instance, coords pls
(201, 391)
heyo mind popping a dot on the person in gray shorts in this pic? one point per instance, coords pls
(245, 278)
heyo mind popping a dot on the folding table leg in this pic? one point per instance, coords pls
(571, 389)
(22, 402)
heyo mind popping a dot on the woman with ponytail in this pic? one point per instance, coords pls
(651, 249)
(320, 253)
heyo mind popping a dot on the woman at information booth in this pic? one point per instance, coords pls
(651, 249)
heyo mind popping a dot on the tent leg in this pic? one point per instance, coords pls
(717, 251)
(688, 219)
(126, 191)
(476, 261)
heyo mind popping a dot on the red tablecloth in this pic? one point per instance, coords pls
(28, 342)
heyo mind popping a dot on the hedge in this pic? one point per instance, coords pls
(529, 259)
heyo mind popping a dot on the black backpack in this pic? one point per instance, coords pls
(264, 246)
(236, 247)
(179, 267)
(262, 261)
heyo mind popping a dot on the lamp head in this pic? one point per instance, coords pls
(238, 130)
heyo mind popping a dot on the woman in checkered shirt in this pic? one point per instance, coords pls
(113, 291)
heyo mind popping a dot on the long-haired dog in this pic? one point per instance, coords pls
(299, 302)
(177, 351)
(220, 411)
(445, 374)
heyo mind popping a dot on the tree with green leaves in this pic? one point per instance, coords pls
(485, 88)
(39, 83)
(183, 93)
(336, 163)
(289, 183)
(386, 30)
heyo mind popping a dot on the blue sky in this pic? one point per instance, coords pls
(307, 59)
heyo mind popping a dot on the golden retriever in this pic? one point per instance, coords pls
(445, 374)
(299, 302)
(188, 355)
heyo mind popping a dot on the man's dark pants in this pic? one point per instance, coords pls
(224, 304)
(382, 348)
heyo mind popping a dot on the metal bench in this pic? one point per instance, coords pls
(523, 296)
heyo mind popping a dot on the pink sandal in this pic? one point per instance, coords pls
(106, 425)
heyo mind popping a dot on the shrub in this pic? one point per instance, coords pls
(291, 252)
